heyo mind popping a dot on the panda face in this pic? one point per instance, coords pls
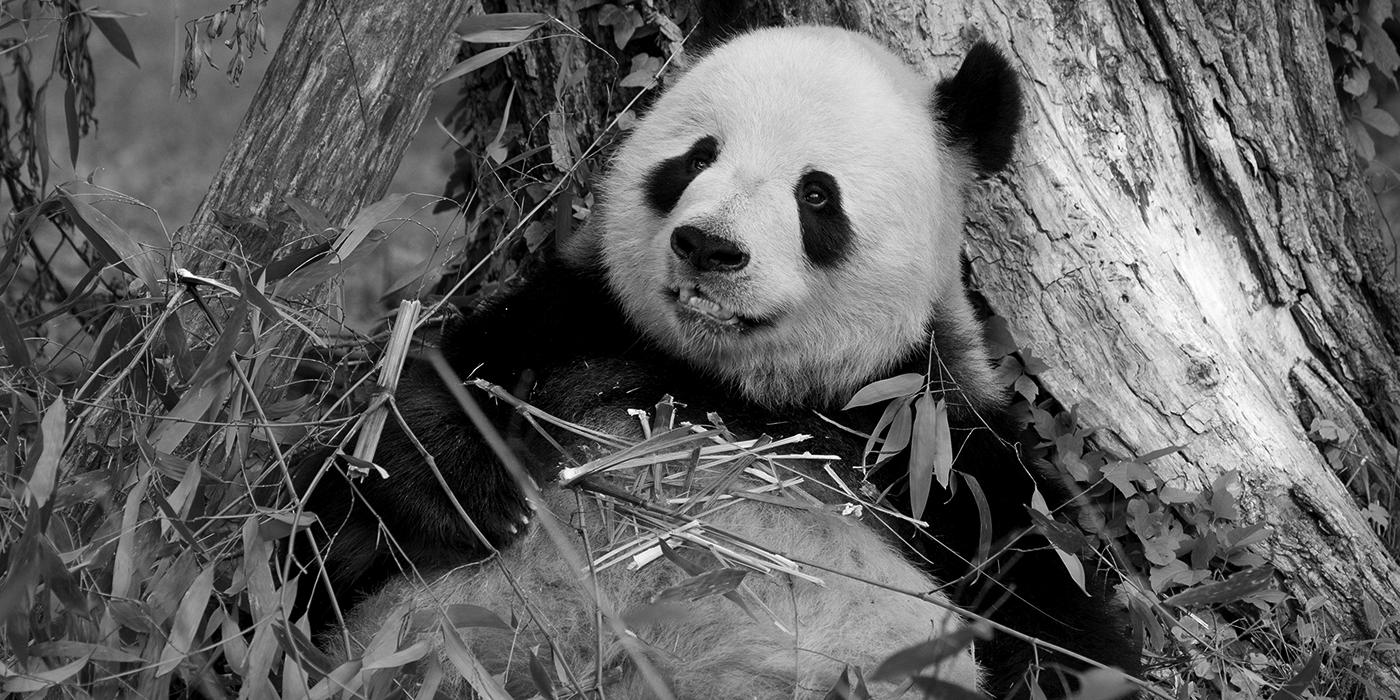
(788, 215)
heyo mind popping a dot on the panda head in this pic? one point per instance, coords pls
(788, 216)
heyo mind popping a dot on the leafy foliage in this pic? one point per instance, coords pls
(139, 537)
(246, 34)
(1362, 41)
(1194, 574)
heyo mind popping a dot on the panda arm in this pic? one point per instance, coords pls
(549, 321)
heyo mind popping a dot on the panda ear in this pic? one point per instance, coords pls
(981, 107)
(717, 22)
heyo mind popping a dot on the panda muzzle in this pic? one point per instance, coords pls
(691, 297)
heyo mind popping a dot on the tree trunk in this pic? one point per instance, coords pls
(344, 95)
(1187, 223)
(1185, 236)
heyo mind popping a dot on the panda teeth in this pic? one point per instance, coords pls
(689, 296)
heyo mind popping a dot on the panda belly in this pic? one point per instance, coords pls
(709, 648)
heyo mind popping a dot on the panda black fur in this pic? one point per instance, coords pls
(782, 228)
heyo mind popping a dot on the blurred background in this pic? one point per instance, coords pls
(162, 149)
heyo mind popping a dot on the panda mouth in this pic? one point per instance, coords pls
(694, 302)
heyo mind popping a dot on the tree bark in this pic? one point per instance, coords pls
(1186, 237)
(344, 95)
(1187, 223)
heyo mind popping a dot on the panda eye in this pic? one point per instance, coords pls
(701, 156)
(815, 195)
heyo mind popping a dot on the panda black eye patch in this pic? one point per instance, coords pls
(668, 179)
(826, 232)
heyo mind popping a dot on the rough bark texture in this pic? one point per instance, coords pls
(1186, 237)
(343, 97)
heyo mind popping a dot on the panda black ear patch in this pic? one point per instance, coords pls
(719, 21)
(981, 107)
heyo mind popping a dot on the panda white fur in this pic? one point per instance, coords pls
(780, 229)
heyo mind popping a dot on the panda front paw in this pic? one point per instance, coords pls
(521, 527)
(506, 521)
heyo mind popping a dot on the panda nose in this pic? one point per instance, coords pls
(707, 252)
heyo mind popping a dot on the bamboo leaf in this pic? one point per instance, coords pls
(311, 217)
(900, 429)
(33, 682)
(12, 340)
(942, 445)
(70, 120)
(984, 517)
(291, 263)
(715, 582)
(540, 675)
(501, 27)
(255, 296)
(850, 686)
(41, 134)
(476, 62)
(922, 453)
(402, 657)
(111, 241)
(1074, 567)
(1061, 535)
(186, 625)
(295, 677)
(124, 563)
(886, 389)
(298, 645)
(908, 661)
(359, 228)
(931, 452)
(1294, 688)
(41, 482)
(458, 615)
(1063, 538)
(321, 269)
(891, 410)
(217, 360)
(115, 36)
(470, 667)
(176, 344)
(1237, 587)
(114, 14)
(432, 678)
(344, 679)
(97, 652)
(176, 424)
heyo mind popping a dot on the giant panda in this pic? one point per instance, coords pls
(782, 228)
